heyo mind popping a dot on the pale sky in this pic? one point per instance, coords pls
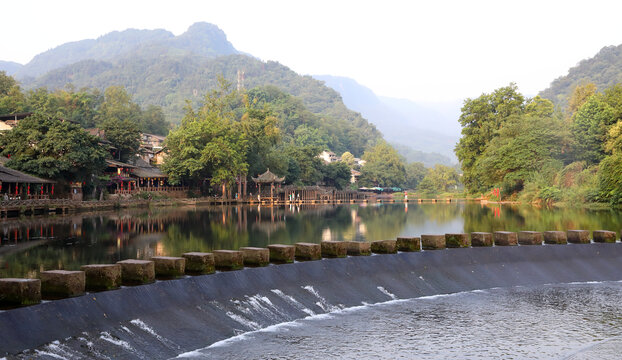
(425, 51)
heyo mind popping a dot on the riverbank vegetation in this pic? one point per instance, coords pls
(536, 153)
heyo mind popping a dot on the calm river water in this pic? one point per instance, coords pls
(46, 243)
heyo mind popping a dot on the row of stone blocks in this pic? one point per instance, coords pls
(98, 277)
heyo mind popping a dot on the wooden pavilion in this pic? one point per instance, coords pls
(268, 178)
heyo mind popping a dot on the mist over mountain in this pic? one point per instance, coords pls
(10, 67)
(604, 70)
(424, 134)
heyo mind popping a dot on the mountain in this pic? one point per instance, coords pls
(10, 67)
(158, 68)
(425, 134)
(200, 39)
(604, 70)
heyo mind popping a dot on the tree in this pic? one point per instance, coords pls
(6, 83)
(118, 105)
(262, 134)
(348, 159)
(52, 148)
(580, 95)
(305, 162)
(529, 144)
(415, 172)
(481, 119)
(152, 121)
(590, 125)
(12, 99)
(124, 136)
(438, 179)
(383, 167)
(209, 144)
(336, 174)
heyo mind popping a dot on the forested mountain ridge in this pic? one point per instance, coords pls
(167, 71)
(200, 39)
(604, 70)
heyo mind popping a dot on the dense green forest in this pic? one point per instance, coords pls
(604, 70)
(536, 153)
(157, 68)
(168, 81)
(230, 135)
(145, 78)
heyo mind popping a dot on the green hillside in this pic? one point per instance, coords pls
(604, 70)
(160, 69)
(170, 80)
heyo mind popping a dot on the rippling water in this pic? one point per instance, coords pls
(569, 321)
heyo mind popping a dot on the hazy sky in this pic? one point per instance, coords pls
(419, 50)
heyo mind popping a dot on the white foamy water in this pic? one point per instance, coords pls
(244, 321)
(552, 322)
(146, 328)
(322, 303)
(387, 293)
(124, 344)
(293, 302)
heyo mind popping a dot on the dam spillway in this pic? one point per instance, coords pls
(167, 318)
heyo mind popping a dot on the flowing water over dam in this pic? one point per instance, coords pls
(481, 303)
(519, 302)
(561, 321)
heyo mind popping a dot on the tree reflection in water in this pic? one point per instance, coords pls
(31, 245)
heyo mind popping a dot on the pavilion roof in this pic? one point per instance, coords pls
(268, 177)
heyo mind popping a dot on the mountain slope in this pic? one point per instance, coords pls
(169, 70)
(401, 121)
(200, 39)
(10, 67)
(604, 70)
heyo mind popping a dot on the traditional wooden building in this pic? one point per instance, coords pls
(18, 185)
(9, 121)
(121, 181)
(268, 179)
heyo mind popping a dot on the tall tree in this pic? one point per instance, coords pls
(438, 179)
(415, 172)
(481, 119)
(383, 167)
(209, 144)
(124, 136)
(12, 100)
(153, 121)
(52, 148)
(590, 125)
(336, 174)
(580, 95)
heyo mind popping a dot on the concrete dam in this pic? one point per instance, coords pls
(168, 318)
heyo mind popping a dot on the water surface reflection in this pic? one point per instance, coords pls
(34, 244)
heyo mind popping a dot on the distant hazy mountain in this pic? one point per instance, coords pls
(430, 134)
(9, 67)
(604, 70)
